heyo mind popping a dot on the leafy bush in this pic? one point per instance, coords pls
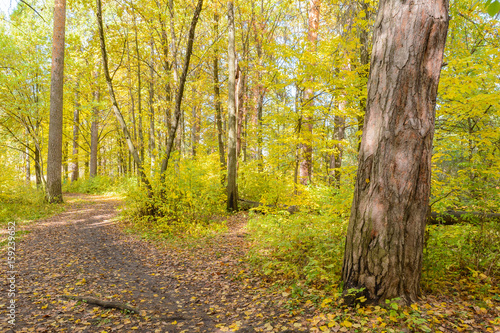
(19, 202)
(185, 203)
(299, 247)
(457, 252)
(99, 185)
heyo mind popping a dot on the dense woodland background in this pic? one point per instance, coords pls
(301, 97)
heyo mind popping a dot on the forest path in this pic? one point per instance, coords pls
(83, 252)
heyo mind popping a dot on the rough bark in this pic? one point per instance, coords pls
(232, 193)
(384, 244)
(76, 127)
(131, 147)
(180, 90)
(54, 157)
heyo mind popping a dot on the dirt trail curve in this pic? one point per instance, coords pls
(82, 252)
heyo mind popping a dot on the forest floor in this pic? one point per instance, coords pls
(84, 252)
(204, 287)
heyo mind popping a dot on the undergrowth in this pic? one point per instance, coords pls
(303, 255)
(187, 203)
(100, 185)
(20, 202)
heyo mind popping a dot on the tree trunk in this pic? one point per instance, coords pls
(232, 193)
(131, 147)
(180, 91)
(94, 129)
(76, 127)
(152, 145)
(139, 98)
(54, 157)
(38, 168)
(305, 169)
(384, 244)
(27, 163)
(218, 111)
(195, 130)
(336, 157)
(240, 107)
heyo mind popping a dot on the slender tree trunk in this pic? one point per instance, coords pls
(305, 169)
(180, 91)
(76, 127)
(195, 129)
(94, 129)
(27, 163)
(152, 144)
(168, 71)
(241, 109)
(131, 147)
(336, 157)
(139, 97)
(38, 168)
(218, 111)
(384, 243)
(232, 192)
(54, 157)
(131, 94)
(65, 158)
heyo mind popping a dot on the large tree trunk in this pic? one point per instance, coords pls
(76, 127)
(54, 157)
(383, 251)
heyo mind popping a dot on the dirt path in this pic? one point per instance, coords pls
(83, 252)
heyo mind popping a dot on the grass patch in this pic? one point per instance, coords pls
(22, 205)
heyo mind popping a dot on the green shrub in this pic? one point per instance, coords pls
(187, 202)
(99, 185)
(21, 202)
(464, 251)
(299, 248)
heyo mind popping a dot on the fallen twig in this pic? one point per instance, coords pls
(104, 304)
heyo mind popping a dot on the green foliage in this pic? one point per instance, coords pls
(465, 251)
(99, 185)
(189, 202)
(299, 248)
(21, 202)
